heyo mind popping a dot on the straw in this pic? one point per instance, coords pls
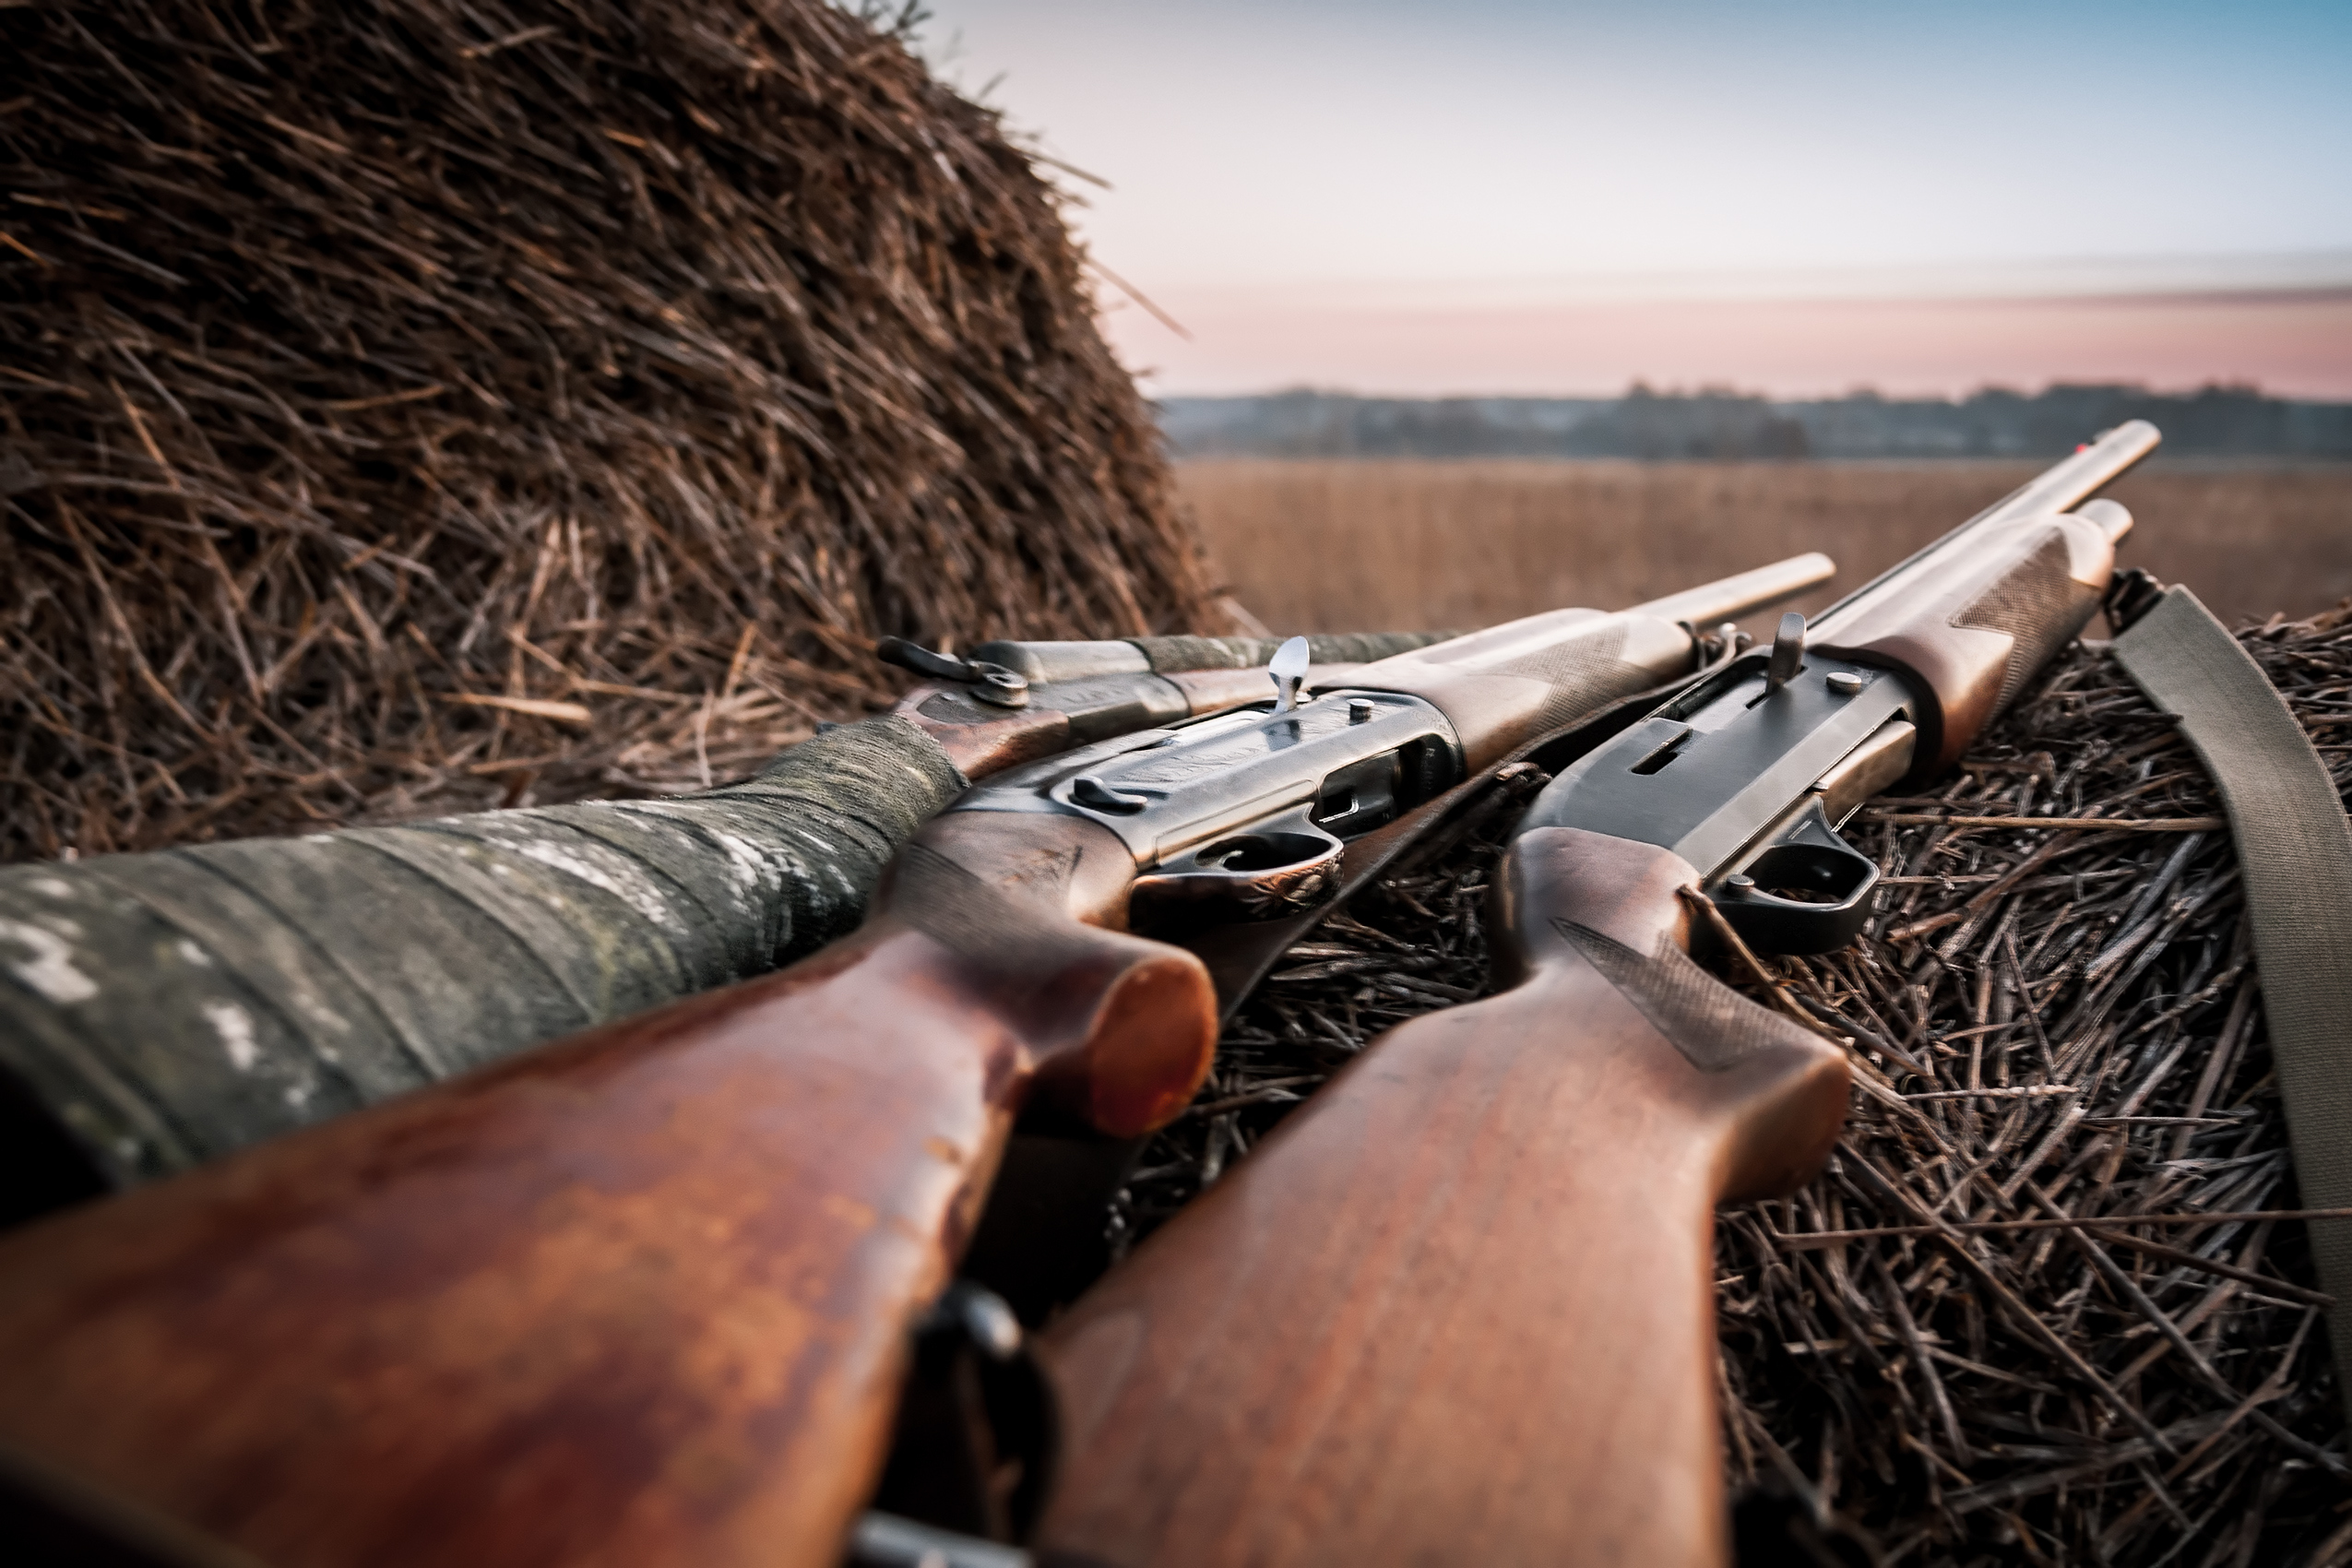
(2051, 1301)
(408, 407)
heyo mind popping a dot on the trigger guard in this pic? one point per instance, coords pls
(1805, 853)
(1269, 871)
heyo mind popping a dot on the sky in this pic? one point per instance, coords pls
(1500, 195)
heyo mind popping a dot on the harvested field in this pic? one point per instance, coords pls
(408, 407)
(2007, 1364)
(1334, 546)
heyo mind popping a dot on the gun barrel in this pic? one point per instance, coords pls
(2061, 487)
(2073, 480)
(1743, 594)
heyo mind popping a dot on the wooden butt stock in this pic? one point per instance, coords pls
(1458, 1309)
(637, 1300)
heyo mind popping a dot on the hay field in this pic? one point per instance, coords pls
(1393, 544)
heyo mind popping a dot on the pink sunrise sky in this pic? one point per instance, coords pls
(1563, 195)
(2290, 343)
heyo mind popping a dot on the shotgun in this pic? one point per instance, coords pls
(1458, 1308)
(643, 1297)
(160, 1010)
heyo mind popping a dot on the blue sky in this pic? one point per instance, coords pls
(1493, 138)
(1820, 148)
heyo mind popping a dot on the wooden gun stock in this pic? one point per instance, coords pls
(1458, 1309)
(642, 1298)
(637, 1299)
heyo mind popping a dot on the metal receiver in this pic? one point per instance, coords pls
(1748, 781)
(1246, 814)
(1748, 774)
(990, 716)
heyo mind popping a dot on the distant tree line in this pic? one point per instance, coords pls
(1720, 423)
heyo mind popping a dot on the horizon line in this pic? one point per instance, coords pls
(2267, 276)
(1729, 389)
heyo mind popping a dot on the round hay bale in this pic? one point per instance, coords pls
(407, 406)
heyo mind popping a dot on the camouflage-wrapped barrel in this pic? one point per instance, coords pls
(160, 1010)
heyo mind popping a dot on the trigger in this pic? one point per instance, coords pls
(1803, 890)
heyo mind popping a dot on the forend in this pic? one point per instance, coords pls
(1506, 687)
(1973, 616)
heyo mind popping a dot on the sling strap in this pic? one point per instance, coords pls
(2295, 855)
